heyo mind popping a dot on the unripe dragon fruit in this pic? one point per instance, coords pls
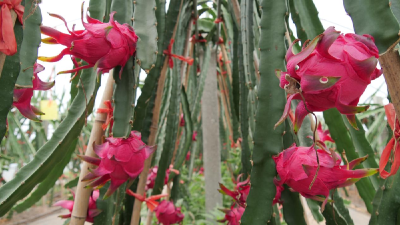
(332, 71)
(120, 160)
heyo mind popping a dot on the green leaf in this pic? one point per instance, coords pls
(124, 100)
(49, 155)
(341, 136)
(29, 48)
(380, 22)
(9, 76)
(48, 182)
(144, 23)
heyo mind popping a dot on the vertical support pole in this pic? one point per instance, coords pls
(211, 145)
(81, 203)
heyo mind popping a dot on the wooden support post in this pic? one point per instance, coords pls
(79, 212)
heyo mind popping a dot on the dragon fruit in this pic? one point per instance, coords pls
(8, 44)
(297, 166)
(102, 45)
(120, 160)
(167, 213)
(93, 211)
(332, 71)
(151, 177)
(233, 215)
(22, 97)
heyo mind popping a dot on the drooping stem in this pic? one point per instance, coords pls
(79, 212)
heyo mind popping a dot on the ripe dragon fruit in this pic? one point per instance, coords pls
(296, 167)
(166, 212)
(102, 45)
(22, 97)
(93, 211)
(120, 160)
(233, 215)
(332, 71)
(8, 44)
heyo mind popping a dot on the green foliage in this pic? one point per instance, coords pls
(7, 80)
(271, 100)
(30, 44)
(145, 25)
(48, 156)
(379, 18)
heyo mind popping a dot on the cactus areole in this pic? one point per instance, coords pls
(297, 166)
(102, 45)
(120, 160)
(332, 71)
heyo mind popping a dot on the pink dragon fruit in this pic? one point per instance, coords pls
(240, 192)
(22, 97)
(120, 160)
(332, 71)
(296, 167)
(233, 215)
(102, 45)
(93, 211)
(167, 213)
